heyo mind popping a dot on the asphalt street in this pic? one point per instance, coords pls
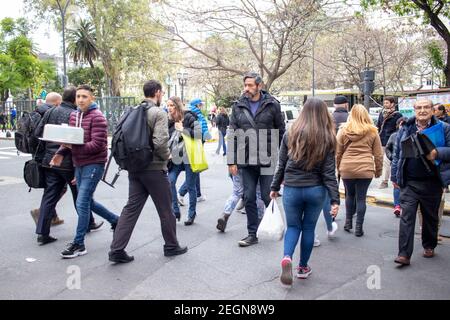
(214, 267)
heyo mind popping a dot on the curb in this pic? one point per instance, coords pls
(386, 202)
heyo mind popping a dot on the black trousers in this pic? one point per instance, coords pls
(251, 175)
(428, 195)
(141, 185)
(55, 180)
(355, 198)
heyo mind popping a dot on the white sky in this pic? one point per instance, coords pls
(43, 34)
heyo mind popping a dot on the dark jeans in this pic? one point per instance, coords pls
(141, 185)
(190, 182)
(184, 188)
(355, 198)
(428, 195)
(87, 179)
(302, 207)
(250, 177)
(55, 181)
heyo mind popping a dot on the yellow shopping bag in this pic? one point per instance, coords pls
(195, 153)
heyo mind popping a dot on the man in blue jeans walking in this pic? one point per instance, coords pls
(89, 160)
(256, 129)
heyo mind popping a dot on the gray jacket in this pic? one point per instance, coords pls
(158, 124)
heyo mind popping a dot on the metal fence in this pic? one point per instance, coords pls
(112, 108)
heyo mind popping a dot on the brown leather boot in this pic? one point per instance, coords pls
(35, 215)
(56, 221)
(222, 222)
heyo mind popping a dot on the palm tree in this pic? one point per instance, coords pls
(82, 43)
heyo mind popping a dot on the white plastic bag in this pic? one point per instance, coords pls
(272, 225)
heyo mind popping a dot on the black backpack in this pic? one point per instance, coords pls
(132, 146)
(24, 137)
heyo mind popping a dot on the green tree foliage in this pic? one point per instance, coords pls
(20, 68)
(82, 44)
(434, 12)
(91, 76)
(122, 35)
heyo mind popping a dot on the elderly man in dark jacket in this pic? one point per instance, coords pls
(340, 114)
(421, 182)
(257, 128)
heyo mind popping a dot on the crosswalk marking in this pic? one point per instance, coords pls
(11, 153)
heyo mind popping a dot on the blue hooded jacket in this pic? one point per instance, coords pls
(193, 106)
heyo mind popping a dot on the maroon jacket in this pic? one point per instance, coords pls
(95, 147)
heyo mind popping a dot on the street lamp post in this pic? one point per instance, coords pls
(169, 84)
(182, 80)
(62, 11)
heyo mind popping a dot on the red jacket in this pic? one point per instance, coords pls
(95, 147)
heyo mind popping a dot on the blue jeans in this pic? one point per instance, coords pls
(396, 197)
(87, 179)
(184, 188)
(302, 207)
(191, 178)
(222, 143)
(326, 212)
(238, 192)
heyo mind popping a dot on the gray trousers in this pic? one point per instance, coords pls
(141, 185)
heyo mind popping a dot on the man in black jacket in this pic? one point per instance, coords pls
(441, 113)
(56, 178)
(387, 125)
(256, 130)
(340, 114)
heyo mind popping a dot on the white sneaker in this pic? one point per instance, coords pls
(181, 200)
(316, 241)
(240, 205)
(201, 199)
(333, 230)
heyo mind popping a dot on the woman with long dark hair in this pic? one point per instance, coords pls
(306, 164)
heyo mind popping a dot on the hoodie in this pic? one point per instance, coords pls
(94, 150)
(359, 156)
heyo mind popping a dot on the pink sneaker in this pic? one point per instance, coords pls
(286, 271)
(303, 272)
(397, 211)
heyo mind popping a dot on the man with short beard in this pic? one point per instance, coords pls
(257, 111)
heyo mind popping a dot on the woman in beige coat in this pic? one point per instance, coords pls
(359, 157)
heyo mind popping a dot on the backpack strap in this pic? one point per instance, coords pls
(249, 118)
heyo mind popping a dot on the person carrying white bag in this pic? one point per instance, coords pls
(306, 164)
(272, 225)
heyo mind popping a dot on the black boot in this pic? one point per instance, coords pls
(189, 221)
(348, 224)
(359, 230)
(222, 222)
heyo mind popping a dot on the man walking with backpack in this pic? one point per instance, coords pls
(151, 180)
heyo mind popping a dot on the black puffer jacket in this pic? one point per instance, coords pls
(222, 122)
(267, 117)
(340, 116)
(294, 175)
(56, 115)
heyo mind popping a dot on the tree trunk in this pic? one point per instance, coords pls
(447, 67)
